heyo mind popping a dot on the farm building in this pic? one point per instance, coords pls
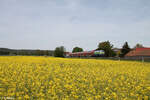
(139, 52)
(117, 51)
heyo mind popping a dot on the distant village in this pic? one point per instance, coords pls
(105, 49)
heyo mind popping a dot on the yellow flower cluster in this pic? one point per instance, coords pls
(51, 78)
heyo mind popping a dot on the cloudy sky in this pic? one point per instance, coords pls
(45, 24)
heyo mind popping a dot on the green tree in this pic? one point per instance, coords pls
(77, 49)
(59, 51)
(125, 49)
(138, 46)
(39, 53)
(107, 47)
(4, 53)
(46, 53)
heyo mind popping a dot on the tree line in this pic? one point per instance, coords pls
(106, 46)
(6, 51)
(60, 51)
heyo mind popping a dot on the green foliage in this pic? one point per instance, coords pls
(107, 47)
(59, 51)
(125, 49)
(138, 45)
(6, 51)
(113, 54)
(77, 49)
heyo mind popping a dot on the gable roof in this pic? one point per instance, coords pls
(139, 52)
(116, 49)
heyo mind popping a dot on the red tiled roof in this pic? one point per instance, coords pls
(139, 52)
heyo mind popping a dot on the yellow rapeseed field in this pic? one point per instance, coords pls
(47, 78)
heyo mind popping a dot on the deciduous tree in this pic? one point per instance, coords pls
(107, 47)
(77, 49)
(59, 51)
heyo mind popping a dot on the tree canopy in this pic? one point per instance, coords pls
(77, 49)
(125, 49)
(138, 45)
(107, 47)
(59, 51)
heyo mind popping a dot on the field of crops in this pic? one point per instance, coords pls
(70, 79)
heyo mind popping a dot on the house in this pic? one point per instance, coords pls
(117, 51)
(66, 54)
(139, 52)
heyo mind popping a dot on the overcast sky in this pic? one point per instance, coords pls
(45, 24)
